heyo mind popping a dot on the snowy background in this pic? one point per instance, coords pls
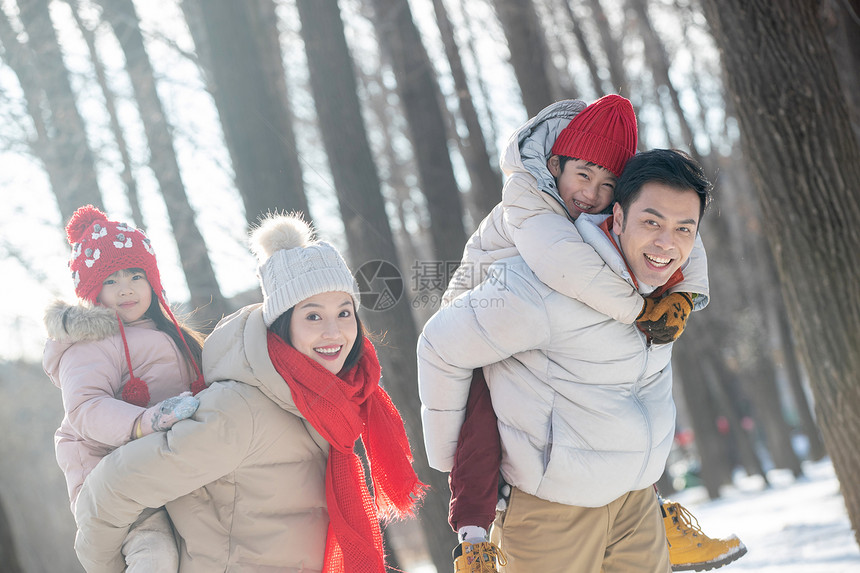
(795, 526)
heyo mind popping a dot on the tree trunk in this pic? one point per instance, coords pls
(838, 18)
(582, 44)
(486, 181)
(617, 73)
(64, 150)
(789, 361)
(241, 56)
(784, 354)
(422, 100)
(126, 174)
(723, 333)
(555, 37)
(805, 164)
(369, 237)
(469, 25)
(196, 264)
(723, 386)
(658, 61)
(760, 386)
(413, 245)
(528, 50)
(703, 414)
(8, 554)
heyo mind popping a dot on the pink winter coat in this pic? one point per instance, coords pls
(84, 357)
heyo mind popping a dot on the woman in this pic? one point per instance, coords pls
(264, 477)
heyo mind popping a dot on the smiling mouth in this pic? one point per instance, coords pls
(328, 351)
(584, 207)
(657, 261)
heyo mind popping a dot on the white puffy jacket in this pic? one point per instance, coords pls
(584, 404)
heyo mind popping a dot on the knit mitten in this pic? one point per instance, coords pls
(663, 319)
(162, 416)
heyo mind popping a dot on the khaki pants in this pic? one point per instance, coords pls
(625, 536)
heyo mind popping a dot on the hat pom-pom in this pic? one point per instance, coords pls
(279, 232)
(82, 220)
(136, 392)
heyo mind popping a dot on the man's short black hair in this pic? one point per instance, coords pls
(670, 167)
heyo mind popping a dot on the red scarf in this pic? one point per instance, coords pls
(343, 409)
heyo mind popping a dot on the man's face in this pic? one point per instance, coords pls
(584, 188)
(658, 231)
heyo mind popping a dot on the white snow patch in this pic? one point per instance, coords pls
(795, 526)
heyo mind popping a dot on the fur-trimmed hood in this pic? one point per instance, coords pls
(68, 323)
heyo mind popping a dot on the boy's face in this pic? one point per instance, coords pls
(128, 293)
(584, 188)
(657, 233)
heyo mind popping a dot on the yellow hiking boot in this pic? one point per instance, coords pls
(692, 550)
(478, 557)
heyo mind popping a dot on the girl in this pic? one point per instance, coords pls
(269, 458)
(123, 363)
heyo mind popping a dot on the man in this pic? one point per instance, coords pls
(584, 402)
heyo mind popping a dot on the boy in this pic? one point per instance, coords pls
(562, 163)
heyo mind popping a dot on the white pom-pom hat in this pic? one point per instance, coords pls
(294, 266)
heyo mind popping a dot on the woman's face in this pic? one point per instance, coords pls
(324, 328)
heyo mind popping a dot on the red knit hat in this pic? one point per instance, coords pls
(100, 248)
(603, 133)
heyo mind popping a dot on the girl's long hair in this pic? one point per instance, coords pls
(194, 338)
(281, 327)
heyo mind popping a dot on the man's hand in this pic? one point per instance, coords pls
(663, 319)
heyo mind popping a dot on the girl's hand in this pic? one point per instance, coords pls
(162, 416)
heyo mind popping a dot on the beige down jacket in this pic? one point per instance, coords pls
(584, 403)
(85, 358)
(531, 221)
(243, 480)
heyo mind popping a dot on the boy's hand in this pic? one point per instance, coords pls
(663, 319)
(163, 415)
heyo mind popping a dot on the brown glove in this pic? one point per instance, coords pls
(663, 319)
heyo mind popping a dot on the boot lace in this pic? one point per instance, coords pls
(685, 520)
(485, 558)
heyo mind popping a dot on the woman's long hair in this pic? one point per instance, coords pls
(281, 327)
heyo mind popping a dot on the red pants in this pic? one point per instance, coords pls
(474, 478)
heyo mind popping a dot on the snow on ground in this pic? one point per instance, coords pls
(795, 526)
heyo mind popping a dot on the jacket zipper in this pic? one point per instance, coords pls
(646, 346)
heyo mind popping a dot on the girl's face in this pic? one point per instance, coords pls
(324, 328)
(128, 293)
